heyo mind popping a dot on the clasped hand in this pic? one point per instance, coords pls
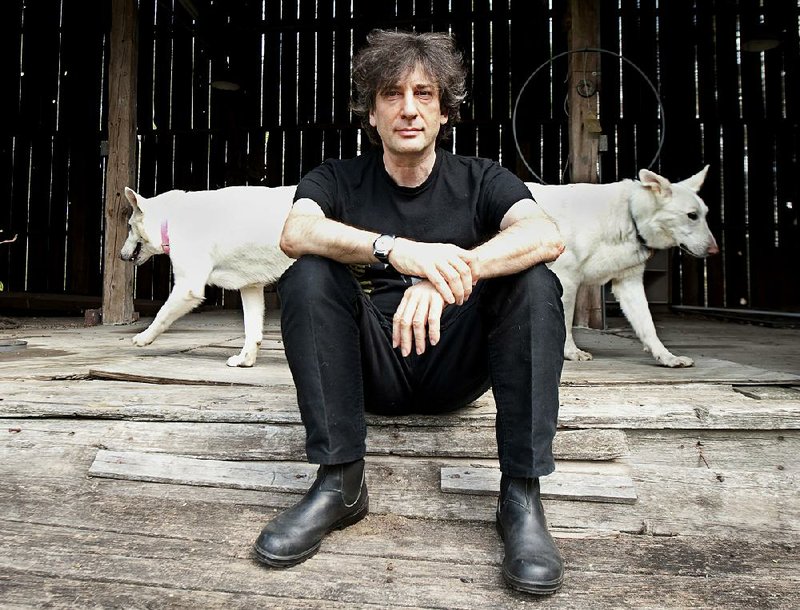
(446, 266)
(448, 274)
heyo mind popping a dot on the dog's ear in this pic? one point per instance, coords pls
(658, 184)
(696, 181)
(132, 197)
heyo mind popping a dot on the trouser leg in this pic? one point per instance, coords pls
(509, 334)
(526, 351)
(329, 329)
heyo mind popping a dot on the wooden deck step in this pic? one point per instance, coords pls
(689, 406)
(595, 486)
(206, 366)
(597, 483)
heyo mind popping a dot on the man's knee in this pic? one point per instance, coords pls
(540, 282)
(311, 274)
(536, 285)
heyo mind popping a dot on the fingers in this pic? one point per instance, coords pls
(434, 320)
(417, 318)
(458, 276)
(444, 265)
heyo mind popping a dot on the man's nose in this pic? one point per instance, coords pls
(409, 104)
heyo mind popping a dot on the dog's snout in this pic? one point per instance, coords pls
(713, 248)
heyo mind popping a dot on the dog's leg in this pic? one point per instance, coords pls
(571, 351)
(181, 300)
(253, 309)
(630, 294)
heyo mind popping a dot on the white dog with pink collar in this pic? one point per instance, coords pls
(228, 237)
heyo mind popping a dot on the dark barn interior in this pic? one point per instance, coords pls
(252, 92)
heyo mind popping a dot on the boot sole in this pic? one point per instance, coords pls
(276, 561)
(536, 588)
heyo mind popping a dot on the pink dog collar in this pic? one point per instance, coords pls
(164, 237)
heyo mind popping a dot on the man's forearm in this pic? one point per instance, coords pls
(525, 243)
(311, 234)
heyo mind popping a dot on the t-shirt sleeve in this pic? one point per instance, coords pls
(501, 190)
(319, 185)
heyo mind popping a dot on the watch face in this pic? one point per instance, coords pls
(383, 243)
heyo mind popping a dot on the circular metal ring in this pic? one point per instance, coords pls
(586, 50)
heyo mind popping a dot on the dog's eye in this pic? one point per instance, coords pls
(692, 215)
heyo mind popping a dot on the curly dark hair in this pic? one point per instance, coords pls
(389, 56)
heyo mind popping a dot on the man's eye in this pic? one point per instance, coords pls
(425, 94)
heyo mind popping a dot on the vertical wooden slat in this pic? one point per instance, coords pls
(83, 48)
(482, 81)
(11, 220)
(38, 112)
(609, 92)
(118, 275)
(584, 82)
(324, 29)
(530, 38)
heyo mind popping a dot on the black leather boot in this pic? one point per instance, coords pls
(337, 498)
(532, 562)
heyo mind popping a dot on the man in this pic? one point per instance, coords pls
(419, 283)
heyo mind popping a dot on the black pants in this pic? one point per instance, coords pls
(509, 334)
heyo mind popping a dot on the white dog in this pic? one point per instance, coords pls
(610, 230)
(228, 238)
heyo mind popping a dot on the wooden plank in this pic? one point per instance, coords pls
(651, 573)
(117, 274)
(271, 368)
(22, 589)
(768, 451)
(671, 501)
(595, 487)
(297, 477)
(685, 406)
(776, 392)
(287, 442)
(163, 468)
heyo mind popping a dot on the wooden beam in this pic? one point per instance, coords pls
(584, 83)
(117, 274)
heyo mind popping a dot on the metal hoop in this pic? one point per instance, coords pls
(587, 50)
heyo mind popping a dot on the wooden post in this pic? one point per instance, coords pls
(584, 83)
(117, 274)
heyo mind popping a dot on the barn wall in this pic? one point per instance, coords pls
(734, 110)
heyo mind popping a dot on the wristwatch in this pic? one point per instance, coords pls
(382, 246)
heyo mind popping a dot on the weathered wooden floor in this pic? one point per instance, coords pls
(139, 478)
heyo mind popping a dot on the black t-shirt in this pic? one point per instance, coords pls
(462, 202)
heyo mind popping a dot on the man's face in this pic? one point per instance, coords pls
(407, 115)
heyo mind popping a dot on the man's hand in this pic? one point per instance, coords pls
(443, 265)
(421, 308)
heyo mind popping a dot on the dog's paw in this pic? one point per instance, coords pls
(577, 354)
(142, 339)
(675, 362)
(244, 361)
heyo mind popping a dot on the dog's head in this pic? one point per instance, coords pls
(140, 244)
(678, 217)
